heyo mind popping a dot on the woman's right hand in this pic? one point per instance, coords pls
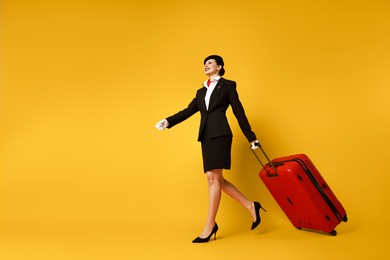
(162, 125)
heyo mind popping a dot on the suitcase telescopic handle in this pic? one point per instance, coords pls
(269, 161)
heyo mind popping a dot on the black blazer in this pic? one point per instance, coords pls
(213, 122)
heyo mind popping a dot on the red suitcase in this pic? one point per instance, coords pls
(302, 193)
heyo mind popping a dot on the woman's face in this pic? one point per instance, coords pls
(211, 68)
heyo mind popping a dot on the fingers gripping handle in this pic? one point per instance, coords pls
(269, 161)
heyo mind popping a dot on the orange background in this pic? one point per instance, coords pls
(84, 175)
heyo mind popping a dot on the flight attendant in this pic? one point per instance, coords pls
(215, 135)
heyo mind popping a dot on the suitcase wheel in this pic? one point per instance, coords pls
(345, 219)
(333, 233)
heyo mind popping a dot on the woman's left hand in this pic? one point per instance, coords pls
(255, 144)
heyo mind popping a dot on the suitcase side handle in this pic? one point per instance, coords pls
(269, 161)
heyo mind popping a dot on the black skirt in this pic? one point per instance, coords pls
(216, 153)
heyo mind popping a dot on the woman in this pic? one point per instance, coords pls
(215, 135)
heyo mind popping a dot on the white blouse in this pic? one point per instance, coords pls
(210, 89)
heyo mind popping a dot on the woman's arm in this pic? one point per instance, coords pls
(183, 115)
(239, 113)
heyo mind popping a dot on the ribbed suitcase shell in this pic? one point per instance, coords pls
(303, 194)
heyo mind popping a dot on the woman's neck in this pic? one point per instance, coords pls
(212, 77)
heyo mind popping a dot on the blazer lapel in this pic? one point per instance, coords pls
(202, 97)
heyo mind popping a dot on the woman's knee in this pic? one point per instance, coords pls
(214, 176)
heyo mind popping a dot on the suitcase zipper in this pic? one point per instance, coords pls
(318, 187)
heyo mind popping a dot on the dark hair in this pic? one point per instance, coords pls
(218, 59)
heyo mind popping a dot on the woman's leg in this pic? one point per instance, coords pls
(215, 179)
(233, 192)
(218, 183)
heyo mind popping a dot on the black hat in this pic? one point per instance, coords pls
(218, 60)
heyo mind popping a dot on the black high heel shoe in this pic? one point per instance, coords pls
(258, 219)
(206, 239)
